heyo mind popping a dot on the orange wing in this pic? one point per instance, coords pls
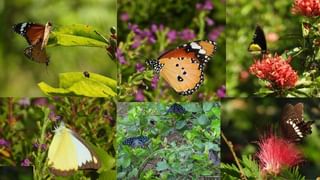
(184, 74)
(31, 31)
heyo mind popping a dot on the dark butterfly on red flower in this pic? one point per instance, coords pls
(37, 36)
(292, 125)
(183, 67)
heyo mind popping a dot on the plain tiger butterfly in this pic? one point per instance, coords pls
(68, 152)
(292, 125)
(258, 46)
(183, 67)
(37, 36)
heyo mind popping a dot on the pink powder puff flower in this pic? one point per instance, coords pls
(276, 153)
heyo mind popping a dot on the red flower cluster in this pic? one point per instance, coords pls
(276, 153)
(276, 70)
(309, 8)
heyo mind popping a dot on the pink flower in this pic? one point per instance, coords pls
(309, 8)
(139, 95)
(276, 70)
(124, 17)
(26, 162)
(276, 153)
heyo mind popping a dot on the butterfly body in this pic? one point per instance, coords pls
(68, 153)
(292, 124)
(183, 67)
(258, 46)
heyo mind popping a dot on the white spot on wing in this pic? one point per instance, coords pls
(195, 45)
(202, 51)
(22, 28)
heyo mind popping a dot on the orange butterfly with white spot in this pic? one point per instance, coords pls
(37, 36)
(183, 67)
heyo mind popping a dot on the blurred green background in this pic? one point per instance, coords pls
(19, 75)
(281, 29)
(245, 120)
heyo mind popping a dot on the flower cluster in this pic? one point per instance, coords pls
(206, 5)
(150, 34)
(276, 70)
(276, 153)
(309, 8)
(4, 143)
(215, 33)
(221, 92)
(26, 162)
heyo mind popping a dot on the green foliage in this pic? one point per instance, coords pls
(179, 145)
(76, 83)
(27, 125)
(249, 165)
(77, 35)
(251, 171)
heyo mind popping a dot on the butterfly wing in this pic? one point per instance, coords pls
(135, 142)
(68, 153)
(35, 53)
(183, 74)
(183, 67)
(292, 125)
(32, 32)
(259, 44)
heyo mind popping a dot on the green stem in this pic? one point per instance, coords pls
(40, 166)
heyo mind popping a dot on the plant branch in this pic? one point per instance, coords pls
(230, 145)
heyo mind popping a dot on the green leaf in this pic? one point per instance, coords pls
(77, 35)
(229, 171)
(202, 120)
(193, 107)
(181, 124)
(162, 165)
(207, 106)
(292, 174)
(107, 161)
(108, 175)
(75, 83)
(251, 167)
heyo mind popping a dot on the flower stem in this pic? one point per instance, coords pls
(230, 145)
(40, 165)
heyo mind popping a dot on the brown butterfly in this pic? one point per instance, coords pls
(292, 125)
(37, 36)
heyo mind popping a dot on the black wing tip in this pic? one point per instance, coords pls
(16, 28)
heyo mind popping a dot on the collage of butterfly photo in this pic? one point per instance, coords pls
(160, 90)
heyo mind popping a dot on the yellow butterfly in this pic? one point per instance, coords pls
(68, 153)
